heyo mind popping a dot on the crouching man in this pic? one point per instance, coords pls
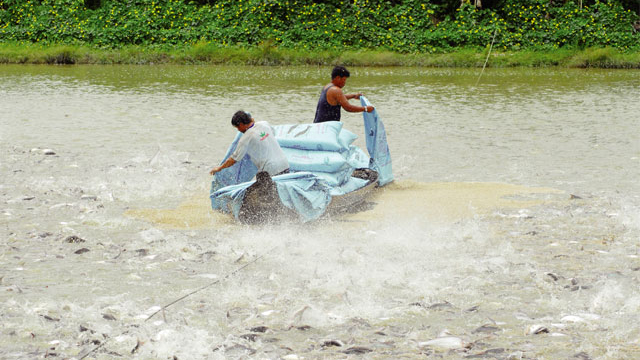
(260, 143)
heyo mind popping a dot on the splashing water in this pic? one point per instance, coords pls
(511, 231)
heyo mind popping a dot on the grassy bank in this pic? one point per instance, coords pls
(269, 55)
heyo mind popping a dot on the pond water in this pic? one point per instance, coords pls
(511, 231)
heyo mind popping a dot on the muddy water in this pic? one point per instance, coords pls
(511, 230)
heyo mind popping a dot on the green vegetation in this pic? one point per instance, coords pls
(356, 32)
(207, 54)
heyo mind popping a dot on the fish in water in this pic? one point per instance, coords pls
(446, 342)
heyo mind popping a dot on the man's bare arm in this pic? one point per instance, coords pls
(344, 102)
(224, 165)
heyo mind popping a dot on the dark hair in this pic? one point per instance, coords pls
(339, 71)
(241, 117)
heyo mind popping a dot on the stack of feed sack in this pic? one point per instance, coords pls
(324, 149)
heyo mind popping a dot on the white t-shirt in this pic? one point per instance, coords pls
(263, 149)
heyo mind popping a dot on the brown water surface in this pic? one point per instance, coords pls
(515, 209)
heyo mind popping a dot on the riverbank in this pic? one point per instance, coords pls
(202, 54)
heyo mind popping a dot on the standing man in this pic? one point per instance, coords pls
(259, 142)
(332, 98)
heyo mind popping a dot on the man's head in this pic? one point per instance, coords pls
(242, 120)
(339, 76)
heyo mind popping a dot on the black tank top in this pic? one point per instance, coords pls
(326, 111)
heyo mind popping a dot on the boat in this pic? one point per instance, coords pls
(350, 200)
(261, 202)
(328, 174)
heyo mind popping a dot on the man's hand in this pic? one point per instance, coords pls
(226, 164)
(215, 170)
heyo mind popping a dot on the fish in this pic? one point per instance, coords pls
(446, 342)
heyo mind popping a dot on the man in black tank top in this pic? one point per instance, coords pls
(332, 98)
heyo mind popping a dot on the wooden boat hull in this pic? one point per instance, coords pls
(348, 201)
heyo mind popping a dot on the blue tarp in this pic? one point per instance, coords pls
(242, 171)
(316, 175)
(377, 145)
(304, 192)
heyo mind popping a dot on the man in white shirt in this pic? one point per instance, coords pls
(259, 142)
